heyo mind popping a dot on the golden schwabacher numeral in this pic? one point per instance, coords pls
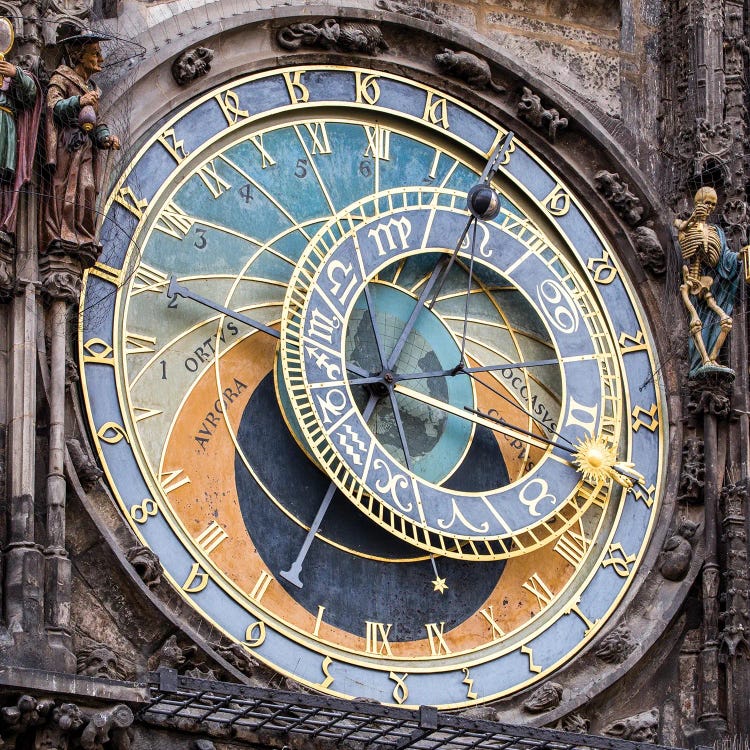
(98, 352)
(128, 199)
(175, 147)
(230, 106)
(436, 110)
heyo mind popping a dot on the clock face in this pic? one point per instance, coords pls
(379, 470)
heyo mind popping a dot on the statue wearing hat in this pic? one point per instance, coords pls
(74, 139)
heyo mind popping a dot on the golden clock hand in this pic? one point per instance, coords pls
(482, 203)
(477, 417)
(593, 457)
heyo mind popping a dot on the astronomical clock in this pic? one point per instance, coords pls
(365, 374)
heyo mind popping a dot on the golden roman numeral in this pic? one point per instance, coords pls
(573, 545)
(174, 221)
(539, 588)
(496, 630)
(376, 638)
(211, 537)
(261, 585)
(265, 158)
(378, 142)
(212, 180)
(171, 480)
(319, 137)
(142, 412)
(435, 633)
(135, 343)
(147, 279)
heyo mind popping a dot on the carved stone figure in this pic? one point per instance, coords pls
(530, 109)
(544, 698)
(238, 658)
(693, 471)
(146, 564)
(111, 726)
(616, 646)
(575, 723)
(617, 192)
(407, 9)
(87, 470)
(171, 655)
(191, 65)
(678, 552)
(643, 727)
(470, 68)
(710, 275)
(97, 660)
(650, 251)
(74, 139)
(330, 34)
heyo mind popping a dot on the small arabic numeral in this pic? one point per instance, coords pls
(246, 192)
(364, 168)
(202, 241)
(301, 170)
(163, 364)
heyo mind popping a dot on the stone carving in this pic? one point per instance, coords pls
(204, 745)
(693, 471)
(710, 394)
(711, 275)
(626, 204)
(649, 249)
(467, 67)
(111, 726)
(530, 109)
(408, 9)
(60, 282)
(191, 65)
(330, 34)
(86, 469)
(171, 655)
(75, 139)
(201, 674)
(713, 140)
(616, 646)
(544, 698)
(677, 553)
(146, 564)
(40, 724)
(7, 274)
(575, 723)
(643, 727)
(238, 657)
(98, 660)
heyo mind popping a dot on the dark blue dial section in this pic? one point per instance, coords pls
(355, 587)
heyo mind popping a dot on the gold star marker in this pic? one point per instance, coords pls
(439, 584)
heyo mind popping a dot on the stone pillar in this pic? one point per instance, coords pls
(61, 281)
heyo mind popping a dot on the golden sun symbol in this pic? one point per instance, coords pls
(596, 459)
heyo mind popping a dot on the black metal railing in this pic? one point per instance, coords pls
(277, 718)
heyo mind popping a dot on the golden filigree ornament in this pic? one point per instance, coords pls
(596, 459)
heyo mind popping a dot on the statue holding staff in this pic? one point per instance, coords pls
(710, 278)
(74, 139)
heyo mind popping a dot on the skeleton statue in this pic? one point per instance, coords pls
(708, 298)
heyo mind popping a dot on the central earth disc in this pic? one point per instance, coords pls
(437, 441)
